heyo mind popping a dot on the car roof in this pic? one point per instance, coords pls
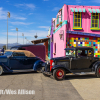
(76, 48)
(26, 52)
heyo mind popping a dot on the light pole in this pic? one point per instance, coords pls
(8, 15)
(26, 40)
(23, 37)
(17, 35)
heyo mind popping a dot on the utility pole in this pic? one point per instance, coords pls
(17, 35)
(8, 15)
(26, 40)
(23, 37)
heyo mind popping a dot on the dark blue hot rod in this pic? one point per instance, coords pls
(19, 61)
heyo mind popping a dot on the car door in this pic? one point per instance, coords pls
(29, 62)
(16, 62)
(83, 61)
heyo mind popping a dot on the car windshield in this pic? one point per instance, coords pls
(14, 49)
(8, 53)
(70, 53)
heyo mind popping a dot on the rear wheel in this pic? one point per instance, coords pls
(1, 70)
(59, 74)
(98, 72)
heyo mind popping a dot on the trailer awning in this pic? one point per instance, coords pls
(40, 40)
(78, 9)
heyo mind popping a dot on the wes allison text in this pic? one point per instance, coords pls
(15, 92)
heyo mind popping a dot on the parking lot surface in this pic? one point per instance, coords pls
(46, 88)
(88, 86)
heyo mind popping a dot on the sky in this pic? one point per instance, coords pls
(31, 17)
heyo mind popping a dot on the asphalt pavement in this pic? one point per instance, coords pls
(46, 88)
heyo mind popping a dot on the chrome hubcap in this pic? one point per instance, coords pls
(60, 74)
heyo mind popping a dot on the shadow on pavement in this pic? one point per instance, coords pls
(70, 77)
(19, 73)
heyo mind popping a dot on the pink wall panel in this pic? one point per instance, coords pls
(60, 44)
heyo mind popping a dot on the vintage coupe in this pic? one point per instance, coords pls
(78, 60)
(19, 61)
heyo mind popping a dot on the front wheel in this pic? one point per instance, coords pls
(98, 72)
(1, 70)
(59, 74)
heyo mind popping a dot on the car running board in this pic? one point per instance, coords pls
(84, 73)
(29, 70)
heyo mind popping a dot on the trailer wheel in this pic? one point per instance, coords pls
(1, 70)
(98, 72)
(59, 74)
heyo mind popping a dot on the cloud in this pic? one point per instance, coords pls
(28, 6)
(29, 34)
(31, 6)
(20, 18)
(45, 27)
(96, 1)
(12, 36)
(30, 13)
(14, 29)
(55, 9)
(11, 40)
(3, 15)
(20, 23)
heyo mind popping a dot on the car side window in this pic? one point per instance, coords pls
(78, 53)
(82, 53)
(90, 52)
(70, 53)
(18, 54)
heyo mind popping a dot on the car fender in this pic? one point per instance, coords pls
(37, 65)
(95, 66)
(60, 66)
(5, 68)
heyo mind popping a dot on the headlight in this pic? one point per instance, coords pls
(53, 63)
